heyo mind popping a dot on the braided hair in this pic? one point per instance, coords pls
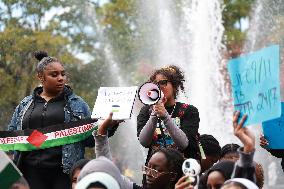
(229, 148)
(173, 74)
(44, 60)
(210, 145)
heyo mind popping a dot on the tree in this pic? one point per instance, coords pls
(234, 13)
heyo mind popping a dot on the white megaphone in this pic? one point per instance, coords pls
(191, 168)
(150, 93)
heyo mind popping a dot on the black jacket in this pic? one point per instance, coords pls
(189, 124)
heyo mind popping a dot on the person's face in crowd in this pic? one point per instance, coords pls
(74, 178)
(215, 180)
(166, 86)
(157, 173)
(53, 78)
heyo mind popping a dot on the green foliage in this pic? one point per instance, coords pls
(234, 12)
(20, 36)
(82, 27)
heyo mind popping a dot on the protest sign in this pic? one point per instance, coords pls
(273, 131)
(255, 84)
(118, 100)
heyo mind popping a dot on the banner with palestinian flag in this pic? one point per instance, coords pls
(9, 173)
(41, 138)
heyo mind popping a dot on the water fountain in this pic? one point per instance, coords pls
(189, 35)
(128, 154)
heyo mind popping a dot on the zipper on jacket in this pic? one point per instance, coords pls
(43, 113)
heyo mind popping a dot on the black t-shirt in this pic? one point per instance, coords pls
(186, 117)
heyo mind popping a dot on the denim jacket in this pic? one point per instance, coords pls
(76, 108)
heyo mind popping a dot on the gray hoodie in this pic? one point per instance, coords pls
(103, 164)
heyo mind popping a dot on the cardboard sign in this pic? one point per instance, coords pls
(118, 100)
(273, 131)
(255, 85)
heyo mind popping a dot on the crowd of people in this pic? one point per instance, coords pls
(168, 128)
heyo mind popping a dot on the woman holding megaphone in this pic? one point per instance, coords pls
(168, 123)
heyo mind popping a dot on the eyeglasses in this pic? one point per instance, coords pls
(162, 83)
(153, 172)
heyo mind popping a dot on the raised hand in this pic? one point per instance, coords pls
(107, 123)
(182, 183)
(243, 133)
(263, 142)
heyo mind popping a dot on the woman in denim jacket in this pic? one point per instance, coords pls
(50, 104)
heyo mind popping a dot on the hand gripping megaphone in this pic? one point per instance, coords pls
(191, 168)
(150, 93)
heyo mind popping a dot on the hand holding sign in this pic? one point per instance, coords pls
(118, 100)
(244, 134)
(255, 84)
(273, 131)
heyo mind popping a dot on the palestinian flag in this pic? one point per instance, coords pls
(9, 173)
(55, 135)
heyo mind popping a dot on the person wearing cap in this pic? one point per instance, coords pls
(101, 171)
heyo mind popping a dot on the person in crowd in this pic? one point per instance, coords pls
(184, 183)
(218, 174)
(244, 167)
(163, 169)
(75, 171)
(230, 152)
(20, 184)
(168, 123)
(239, 183)
(279, 153)
(212, 151)
(52, 103)
(100, 171)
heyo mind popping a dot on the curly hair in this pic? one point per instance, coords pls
(173, 74)
(174, 161)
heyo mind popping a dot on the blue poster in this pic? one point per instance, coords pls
(273, 131)
(255, 85)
